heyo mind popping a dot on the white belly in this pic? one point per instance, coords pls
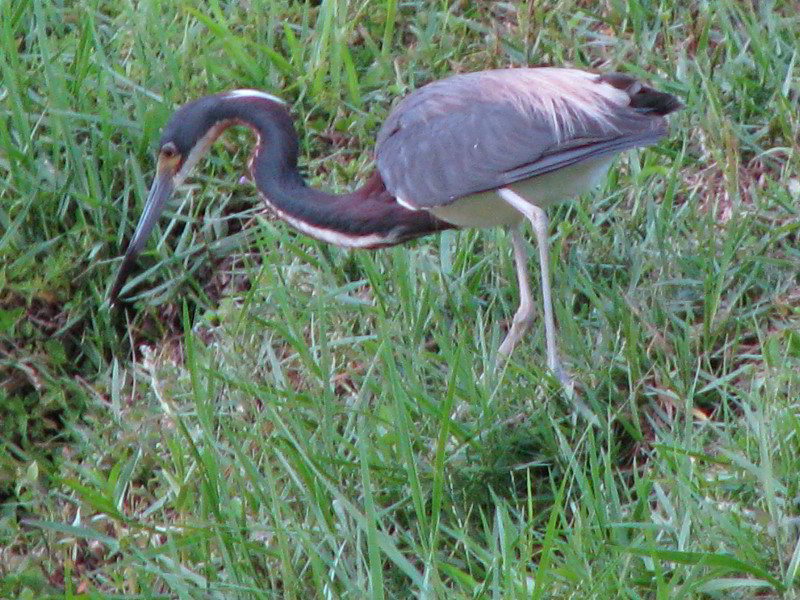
(487, 209)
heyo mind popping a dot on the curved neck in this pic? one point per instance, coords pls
(369, 217)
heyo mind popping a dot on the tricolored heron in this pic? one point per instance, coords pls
(473, 150)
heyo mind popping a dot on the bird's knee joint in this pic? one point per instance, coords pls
(525, 319)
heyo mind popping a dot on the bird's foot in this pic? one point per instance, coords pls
(561, 375)
(568, 385)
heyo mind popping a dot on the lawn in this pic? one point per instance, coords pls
(268, 416)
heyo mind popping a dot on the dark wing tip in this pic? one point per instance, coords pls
(643, 98)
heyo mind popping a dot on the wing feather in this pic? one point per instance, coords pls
(481, 131)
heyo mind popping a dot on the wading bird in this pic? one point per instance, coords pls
(475, 150)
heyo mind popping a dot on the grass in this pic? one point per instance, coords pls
(273, 417)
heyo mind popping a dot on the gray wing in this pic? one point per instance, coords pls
(486, 130)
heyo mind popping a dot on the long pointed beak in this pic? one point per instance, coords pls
(160, 193)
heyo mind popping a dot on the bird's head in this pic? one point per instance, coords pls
(187, 136)
(190, 131)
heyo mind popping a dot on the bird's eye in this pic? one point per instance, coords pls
(168, 151)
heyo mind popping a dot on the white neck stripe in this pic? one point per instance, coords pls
(254, 94)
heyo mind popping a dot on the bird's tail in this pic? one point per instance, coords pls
(643, 99)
